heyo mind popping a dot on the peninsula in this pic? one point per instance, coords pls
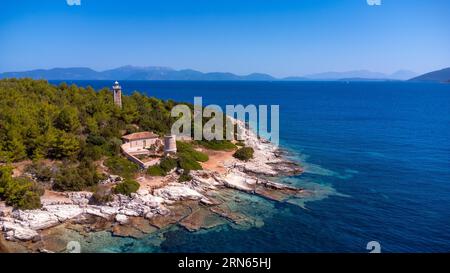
(79, 159)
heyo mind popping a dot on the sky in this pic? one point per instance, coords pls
(282, 37)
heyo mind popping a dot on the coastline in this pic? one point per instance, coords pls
(194, 205)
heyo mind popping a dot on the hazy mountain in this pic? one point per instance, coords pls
(295, 78)
(358, 75)
(132, 73)
(403, 75)
(166, 73)
(442, 75)
(75, 73)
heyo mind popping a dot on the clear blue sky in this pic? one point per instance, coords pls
(242, 36)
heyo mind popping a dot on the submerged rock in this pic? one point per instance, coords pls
(127, 231)
(201, 219)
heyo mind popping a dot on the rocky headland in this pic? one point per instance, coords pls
(194, 205)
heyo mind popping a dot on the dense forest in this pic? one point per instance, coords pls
(40, 120)
(73, 128)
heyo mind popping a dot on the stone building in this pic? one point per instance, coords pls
(139, 142)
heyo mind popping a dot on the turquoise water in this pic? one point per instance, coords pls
(376, 154)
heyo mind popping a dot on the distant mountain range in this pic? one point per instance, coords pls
(166, 73)
(132, 73)
(362, 75)
(442, 75)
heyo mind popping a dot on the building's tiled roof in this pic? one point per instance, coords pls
(140, 135)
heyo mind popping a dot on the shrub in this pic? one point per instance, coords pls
(20, 193)
(95, 140)
(76, 178)
(91, 152)
(240, 143)
(42, 172)
(88, 173)
(156, 170)
(188, 163)
(29, 200)
(121, 166)
(68, 179)
(245, 153)
(185, 177)
(183, 146)
(101, 196)
(167, 164)
(127, 187)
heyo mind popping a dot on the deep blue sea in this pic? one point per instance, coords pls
(378, 152)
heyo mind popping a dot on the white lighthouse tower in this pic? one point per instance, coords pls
(117, 90)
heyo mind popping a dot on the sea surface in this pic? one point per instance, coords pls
(377, 154)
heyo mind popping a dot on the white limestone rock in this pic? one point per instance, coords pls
(37, 219)
(177, 191)
(148, 200)
(129, 212)
(64, 212)
(79, 198)
(149, 215)
(17, 231)
(96, 211)
(50, 202)
(121, 219)
(240, 181)
(143, 192)
(107, 210)
(25, 234)
(162, 210)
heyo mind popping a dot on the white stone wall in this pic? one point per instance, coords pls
(138, 145)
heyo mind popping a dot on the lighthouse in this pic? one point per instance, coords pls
(117, 90)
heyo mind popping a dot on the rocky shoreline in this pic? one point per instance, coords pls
(193, 205)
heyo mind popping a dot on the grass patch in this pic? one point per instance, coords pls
(217, 145)
(187, 149)
(188, 163)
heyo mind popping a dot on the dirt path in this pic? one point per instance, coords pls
(216, 160)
